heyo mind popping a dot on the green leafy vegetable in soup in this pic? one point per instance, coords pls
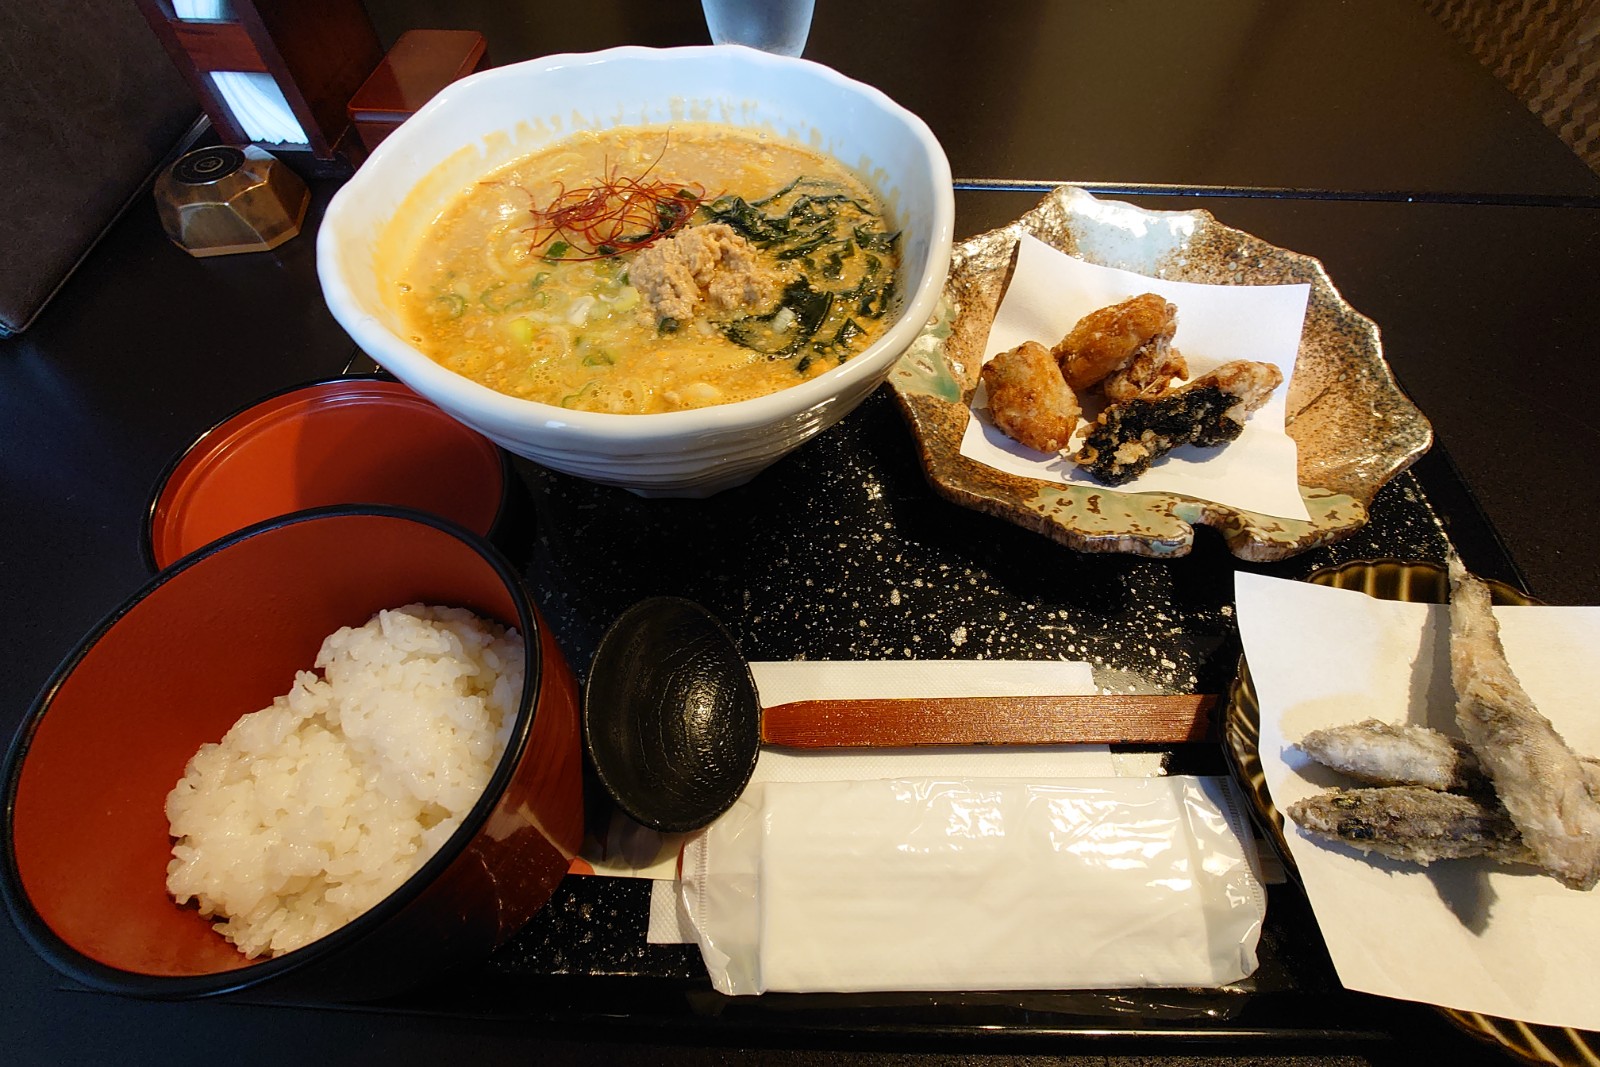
(640, 270)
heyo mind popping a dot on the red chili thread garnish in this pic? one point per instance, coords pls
(615, 215)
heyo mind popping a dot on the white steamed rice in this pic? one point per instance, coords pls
(312, 810)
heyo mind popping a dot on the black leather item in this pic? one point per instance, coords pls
(90, 109)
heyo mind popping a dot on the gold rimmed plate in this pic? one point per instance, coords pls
(1415, 582)
(1352, 425)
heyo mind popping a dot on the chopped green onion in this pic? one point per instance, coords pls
(589, 388)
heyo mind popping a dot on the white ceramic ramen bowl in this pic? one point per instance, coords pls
(492, 118)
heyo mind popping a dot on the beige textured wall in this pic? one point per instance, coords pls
(1546, 51)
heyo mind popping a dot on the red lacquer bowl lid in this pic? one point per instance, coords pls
(354, 440)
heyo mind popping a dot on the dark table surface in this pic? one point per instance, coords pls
(1439, 205)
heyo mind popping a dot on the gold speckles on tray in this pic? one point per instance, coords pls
(1353, 426)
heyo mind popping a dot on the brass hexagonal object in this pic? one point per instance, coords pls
(219, 200)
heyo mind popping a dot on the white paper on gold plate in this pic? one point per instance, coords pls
(1050, 291)
(1463, 934)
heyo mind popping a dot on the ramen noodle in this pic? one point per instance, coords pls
(648, 269)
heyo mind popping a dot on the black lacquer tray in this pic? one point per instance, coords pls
(842, 551)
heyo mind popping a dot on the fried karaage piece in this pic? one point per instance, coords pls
(1028, 398)
(1128, 437)
(1536, 776)
(1110, 338)
(1151, 372)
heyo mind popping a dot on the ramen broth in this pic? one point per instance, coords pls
(647, 269)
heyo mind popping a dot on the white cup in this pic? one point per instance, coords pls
(777, 26)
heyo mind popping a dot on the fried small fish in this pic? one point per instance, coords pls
(1384, 754)
(1109, 338)
(1028, 398)
(1381, 754)
(1412, 823)
(1536, 776)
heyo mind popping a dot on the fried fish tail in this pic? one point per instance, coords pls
(1412, 824)
(1538, 779)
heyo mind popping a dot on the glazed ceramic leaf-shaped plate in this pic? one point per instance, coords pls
(1353, 427)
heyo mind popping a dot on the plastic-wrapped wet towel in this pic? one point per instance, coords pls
(976, 884)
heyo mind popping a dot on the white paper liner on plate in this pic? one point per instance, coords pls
(1464, 934)
(1050, 291)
